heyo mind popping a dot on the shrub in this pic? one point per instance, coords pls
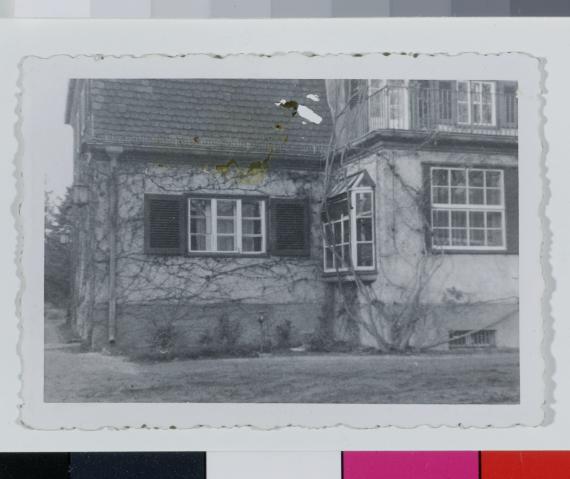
(163, 339)
(283, 333)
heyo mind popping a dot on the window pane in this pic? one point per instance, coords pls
(462, 113)
(441, 195)
(462, 91)
(475, 178)
(226, 243)
(364, 254)
(440, 218)
(494, 219)
(458, 196)
(476, 196)
(226, 207)
(336, 209)
(476, 112)
(346, 231)
(225, 226)
(477, 219)
(200, 243)
(329, 258)
(200, 207)
(457, 177)
(251, 244)
(459, 237)
(250, 209)
(493, 179)
(493, 197)
(363, 203)
(477, 237)
(364, 229)
(458, 219)
(251, 227)
(199, 225)
(487, 115)
(494, 238)
(337, 237)
(441, 237)
(439, 177)
(346, 256)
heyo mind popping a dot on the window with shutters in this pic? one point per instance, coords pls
(226, 225)
(467, 208)
(348, 226)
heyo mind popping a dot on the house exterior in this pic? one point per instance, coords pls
(219, 210)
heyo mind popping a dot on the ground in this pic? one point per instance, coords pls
(451, 378)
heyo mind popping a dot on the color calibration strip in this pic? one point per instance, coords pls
(289, 465)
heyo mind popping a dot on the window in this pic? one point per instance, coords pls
(476, 103)
(468, 208)
(477, 339)
(226, 225)
(348, 226)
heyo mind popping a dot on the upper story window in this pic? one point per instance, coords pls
(468, 208)
(348, 226)
(476, 103)
(226, 225)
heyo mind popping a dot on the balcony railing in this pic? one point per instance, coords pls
(478, 109)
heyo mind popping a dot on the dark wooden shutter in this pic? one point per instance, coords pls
(164, 224)
(290, 227)
(512, 209)
(507, 104)
(425, 209)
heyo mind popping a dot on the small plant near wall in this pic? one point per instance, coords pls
(283, 334)
(163, 339)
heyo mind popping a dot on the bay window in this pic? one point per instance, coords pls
(348, 226)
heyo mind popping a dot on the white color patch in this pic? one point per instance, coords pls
(313, 96)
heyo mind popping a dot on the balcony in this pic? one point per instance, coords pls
(456, 108)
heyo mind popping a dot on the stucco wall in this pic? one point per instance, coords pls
(283, 287)
(487, 281)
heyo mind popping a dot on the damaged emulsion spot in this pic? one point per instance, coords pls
(302, 110)
(290, 105)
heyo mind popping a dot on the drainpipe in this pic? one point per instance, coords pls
(113, 152)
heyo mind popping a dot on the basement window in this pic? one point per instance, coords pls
(348, 226)
(485, 338)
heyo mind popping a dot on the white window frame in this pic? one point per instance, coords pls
(484, 208)
(352, 238)
(238, 233)
(470, 102)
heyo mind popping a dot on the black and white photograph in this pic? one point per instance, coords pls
(282, 240)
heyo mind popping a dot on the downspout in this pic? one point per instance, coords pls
(113, 152)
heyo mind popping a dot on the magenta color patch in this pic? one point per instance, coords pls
(411, 465)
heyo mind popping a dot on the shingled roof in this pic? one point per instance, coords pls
(231, 115)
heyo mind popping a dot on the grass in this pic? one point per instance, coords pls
(454, 378)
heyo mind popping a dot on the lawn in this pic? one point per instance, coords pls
(480, 378)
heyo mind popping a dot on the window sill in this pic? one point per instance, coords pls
(367, 276)
(447, 252)
(212, 254)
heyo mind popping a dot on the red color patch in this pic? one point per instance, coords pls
(525, 465)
